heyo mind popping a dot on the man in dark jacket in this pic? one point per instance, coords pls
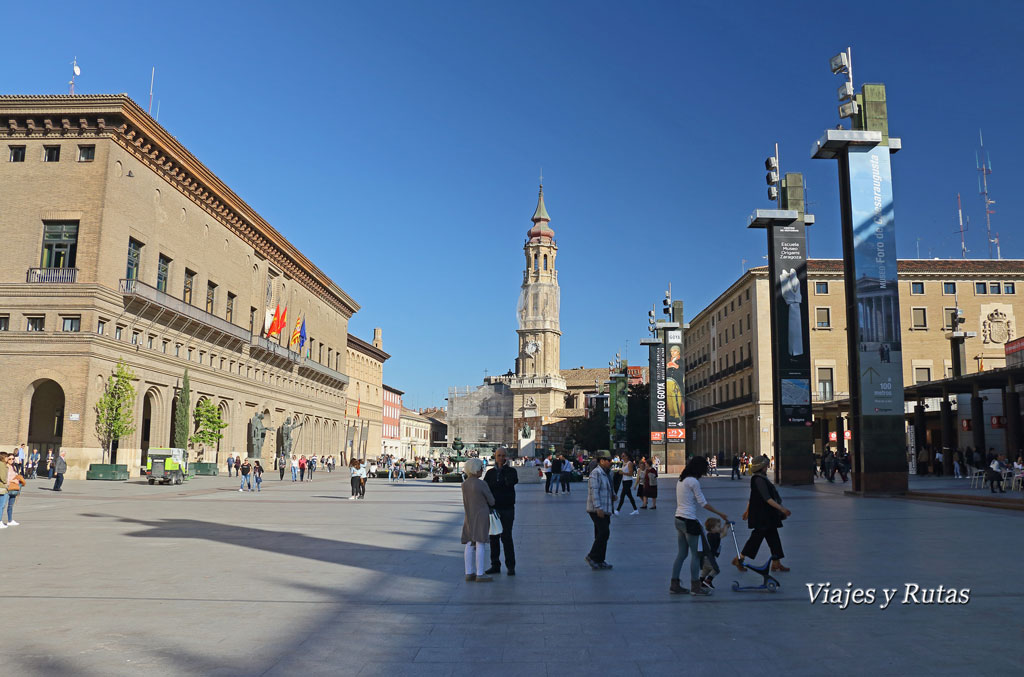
(61, 467)
(502, 480)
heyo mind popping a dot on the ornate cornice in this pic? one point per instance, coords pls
(120, 119)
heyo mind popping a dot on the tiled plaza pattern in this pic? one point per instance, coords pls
(124, 578)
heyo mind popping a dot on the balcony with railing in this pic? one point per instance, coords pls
(264, 349)
(136, 292)
(319, 372)
(52, 275)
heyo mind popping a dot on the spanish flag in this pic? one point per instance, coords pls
(296, 335)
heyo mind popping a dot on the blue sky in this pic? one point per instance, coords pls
(398, 143)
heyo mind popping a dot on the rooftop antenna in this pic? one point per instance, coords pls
(984, 165)
(152, 77)
(75, 72)
(963, 229)
(158, 110)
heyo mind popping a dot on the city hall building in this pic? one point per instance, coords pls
(728, 347)
(120, 244)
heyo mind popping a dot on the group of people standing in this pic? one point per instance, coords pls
(490, 508)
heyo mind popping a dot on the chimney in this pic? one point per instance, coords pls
(378, 342)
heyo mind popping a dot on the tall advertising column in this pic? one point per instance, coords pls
(618, 409)
(658, 399)
(791, 362)
(872, 307)
(675, 400)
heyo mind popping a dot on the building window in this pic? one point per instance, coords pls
(177, 350)
(51, 153)
(135, 338)
(922, 374)
(190, 280)
(101, 327)
(211, 296)
(5, 323)
(86, 153)
(1009, 288)
(980, 288)
(134, 259)
(71, 324)
(163, 271)
(821, 288)
(118, 331)
(948, 315)
(163, 347)
(918, 318)
(149, 341)
(995, 288)
(60, 244)
(823, 318)
(36, 324)
(825, 391)
(17, 154)
(949, 288)
(229, 311)
(917, 288)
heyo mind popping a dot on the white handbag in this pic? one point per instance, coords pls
(496, 527)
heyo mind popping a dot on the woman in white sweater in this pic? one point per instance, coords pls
(688, 530)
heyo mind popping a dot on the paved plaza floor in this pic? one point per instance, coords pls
(124, 578)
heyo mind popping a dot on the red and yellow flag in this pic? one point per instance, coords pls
(296, 334)
(276, 324)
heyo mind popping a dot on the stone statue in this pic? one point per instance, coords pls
(526, 432)
(258, 432)
(285, 431)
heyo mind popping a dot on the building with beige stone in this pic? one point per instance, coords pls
(415, 437)
(728, 344)
(121, 245)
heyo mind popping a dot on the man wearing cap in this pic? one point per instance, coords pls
(600, 504)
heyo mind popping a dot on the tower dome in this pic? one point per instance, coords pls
(540, 220)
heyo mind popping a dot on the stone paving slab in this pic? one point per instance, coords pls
(124, 578)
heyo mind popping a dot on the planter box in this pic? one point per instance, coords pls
(204, 468)
(452, 477)
(107, 471)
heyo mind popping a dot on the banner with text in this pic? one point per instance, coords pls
(675, 387)
(790, 332)
(656, 370)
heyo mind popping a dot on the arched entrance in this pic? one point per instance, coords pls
(46, 417)
(147, 425)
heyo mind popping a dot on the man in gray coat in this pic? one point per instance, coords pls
(61, 467)
(600, 505)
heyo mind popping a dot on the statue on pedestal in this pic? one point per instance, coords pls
(285, 431)
(257, 433)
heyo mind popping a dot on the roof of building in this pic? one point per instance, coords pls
(385, 386)
(362, 346)
(582, 377)
(540, 219)
(569, 413)
(117, 116)
(413, 414)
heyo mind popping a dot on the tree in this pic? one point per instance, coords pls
(208, 424)
(114, 415)
(638, 422)
(591, 432)
(180, 440)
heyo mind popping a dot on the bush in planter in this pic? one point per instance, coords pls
(452, 477)
(382, 474)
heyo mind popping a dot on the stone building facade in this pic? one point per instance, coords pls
(728, 345)
(120, 244)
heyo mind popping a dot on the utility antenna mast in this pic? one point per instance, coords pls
(75, 72)
(152, 77)
(984, 165)
(963, 230)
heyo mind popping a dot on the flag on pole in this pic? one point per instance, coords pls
(276, 324)
(302, 334)
(295, 334)
(358, 403)
(268, 321)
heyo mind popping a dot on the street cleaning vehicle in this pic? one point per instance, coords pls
(166, 466)
(767, 581)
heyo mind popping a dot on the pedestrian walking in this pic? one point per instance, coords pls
(33, 464)
(566, 476)
(49, 464)
(600, 504)
(14, 483)
(244, 470)
(477, 501)
(231, 464)
(363, 474)
(303, 464)
(281, 461)
(60, 466)
(295, 468)
(626, 488)
(689, 497)
(556, 474)
(714, 465)
(547, 474)
(735, 468)
(502, 480)
(310, 467)
(354, 479)
(764, 515)
(257, 475)
(650, 486)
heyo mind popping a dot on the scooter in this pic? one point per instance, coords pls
(767, 581)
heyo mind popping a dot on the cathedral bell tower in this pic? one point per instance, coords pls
(538, 385)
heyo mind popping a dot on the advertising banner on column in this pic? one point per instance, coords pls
(618, 408)
(790, 332)
(656, 369)
(877, 294)
(675, 384)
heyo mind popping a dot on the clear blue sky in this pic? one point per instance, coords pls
(398, 143)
